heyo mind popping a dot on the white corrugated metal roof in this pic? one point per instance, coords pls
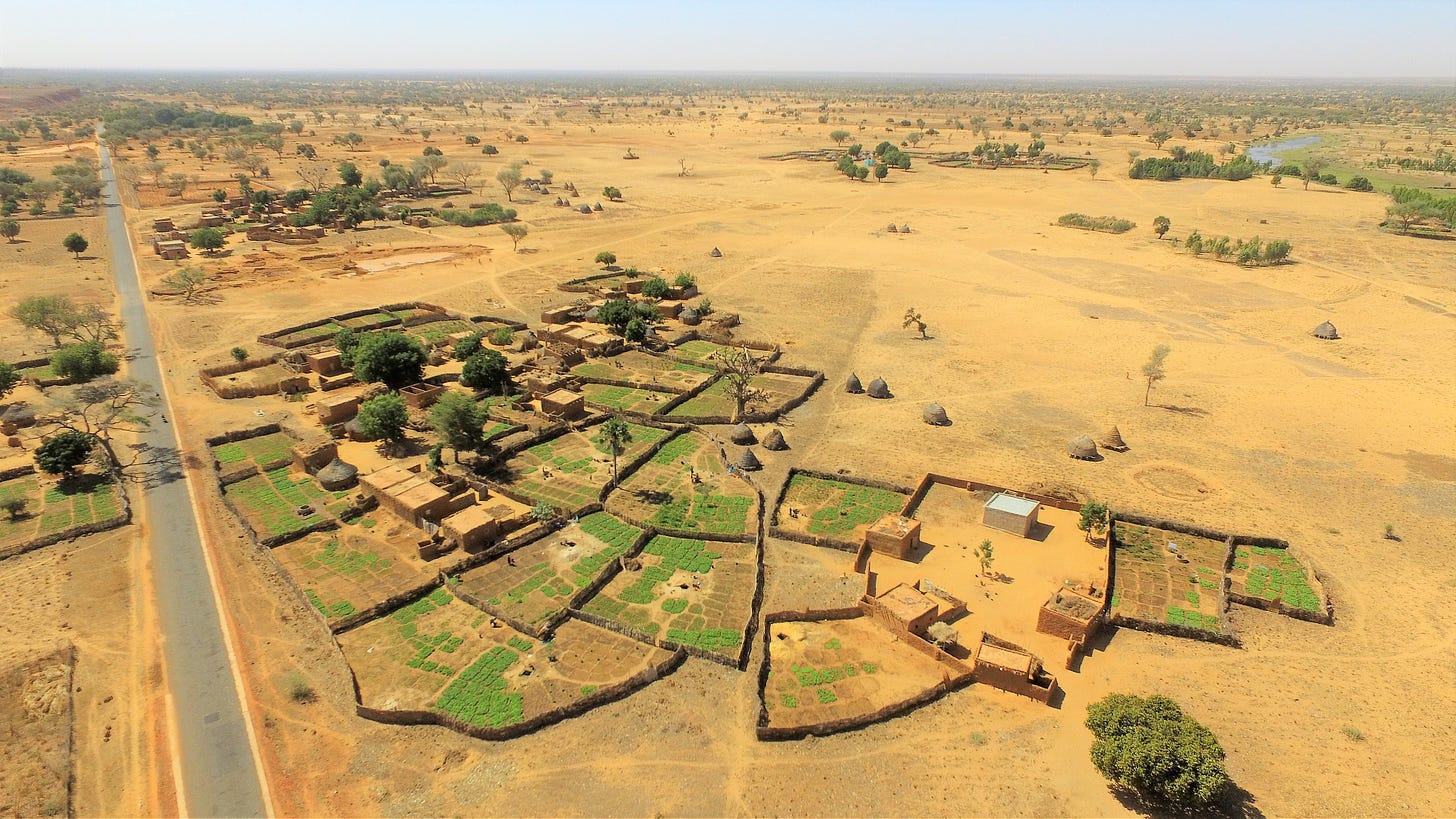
(1002, 502)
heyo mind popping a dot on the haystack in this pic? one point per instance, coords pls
(690, 317)
(879, 389)
(905, 228)
(934, 414)
(337, 475)
(1112, 439)
(716, 253)
(853, 385)
(892, 228)
(1326, 331)
(1083, 449)
(742, 435)
(774, 441)
(747, 461)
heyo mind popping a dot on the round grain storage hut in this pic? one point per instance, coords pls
(690, 317)
(879, 389)
(337, 475)
(747, 461)
(716, 253)
(742, 435)
(905, 228)
(934, 415)
(355, 430)
(1112, 439)
(774, 441)
(853, 385)
(1083, 448)
(1326, 331)
(586, 209)
(892, 228)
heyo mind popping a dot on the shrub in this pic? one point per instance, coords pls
(83, 362)
(14, 508)
(1359, 183)
(468, 346)
(63, 452)
(502, 336)
(1152, 746)
(684, 280)
(490, 214)
(299, 689)
(655, 288)
(239, 354)
(486, 370)
(1103, 224)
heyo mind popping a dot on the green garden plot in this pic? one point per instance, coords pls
(646, 370)
(835, 509)
(442, 655)
(310, 335)
(688, 592)
(577, 463)
(342, 572)
(1153, 585)
(539, 579)
(833, 670)
(775, 390)
(625, 399)
(372, 320)
(662, 493)
(271, 501)
(436, 333)
(1273, 575)
(77, 501)
(262, 450)
(699, 350)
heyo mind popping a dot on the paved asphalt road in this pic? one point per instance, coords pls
(218, 774)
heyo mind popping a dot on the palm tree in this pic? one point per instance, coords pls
(615, 435)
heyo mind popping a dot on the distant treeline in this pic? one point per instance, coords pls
(139, 119)
(1247, 252)
(1192, 163)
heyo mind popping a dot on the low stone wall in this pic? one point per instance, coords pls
(121, 518)
(817, 540)
(598, 698)
(931, 479)
(1325, 616)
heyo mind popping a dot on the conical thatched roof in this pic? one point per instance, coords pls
(597, 207)
(747, 461)
(1326, 331)
(742, 435)
(716, 253)
(337, 475)
(853, 385)
(774, 441)
(1112, 439)
(892, 228)
(905, 228)
(594, 314)
(879, 389)
(355, 430)
(934, 414)
(689, 316)
(585, 209)
(1083, 449)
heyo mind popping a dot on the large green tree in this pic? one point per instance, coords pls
(615, 435)
(486, 370)
(460, 423)
(1150, 745)
(51, 315)
(9, 379)
(209, 239)
(76, 243)
(63, 452)
(384, 417)
(394, 359)
(1153, 370)
(83, 362)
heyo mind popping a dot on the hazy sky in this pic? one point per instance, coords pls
(1185, 38)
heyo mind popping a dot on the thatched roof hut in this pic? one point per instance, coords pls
(1083, 449)
(337, 475)
(597, 207)
(355, 430)
(853, 385)
(1112, 439)
(716, 253)
(774, 441)
(747, 461)
(742, 435)
(905, 228)
(1326, 331)
(585, 209)
(892, 228)
(690, 317)
(934, 414)
(879, 389)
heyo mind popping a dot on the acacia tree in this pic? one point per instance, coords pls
(615, 436)
(606, 258)
(509, 178)
(9, 228)
(76, 243)
(188, 281)
(103, 409)
(737, 367)
(839, 137)
(517, 231)
(1310, 171)
(1153, 369)
(1161, 224)
(208, 239)
(912, 316)
(51, 315)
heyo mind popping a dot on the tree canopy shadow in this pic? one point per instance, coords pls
(1237, 803)
(1197, 412)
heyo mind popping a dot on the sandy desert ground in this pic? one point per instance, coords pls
(1037, 333)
